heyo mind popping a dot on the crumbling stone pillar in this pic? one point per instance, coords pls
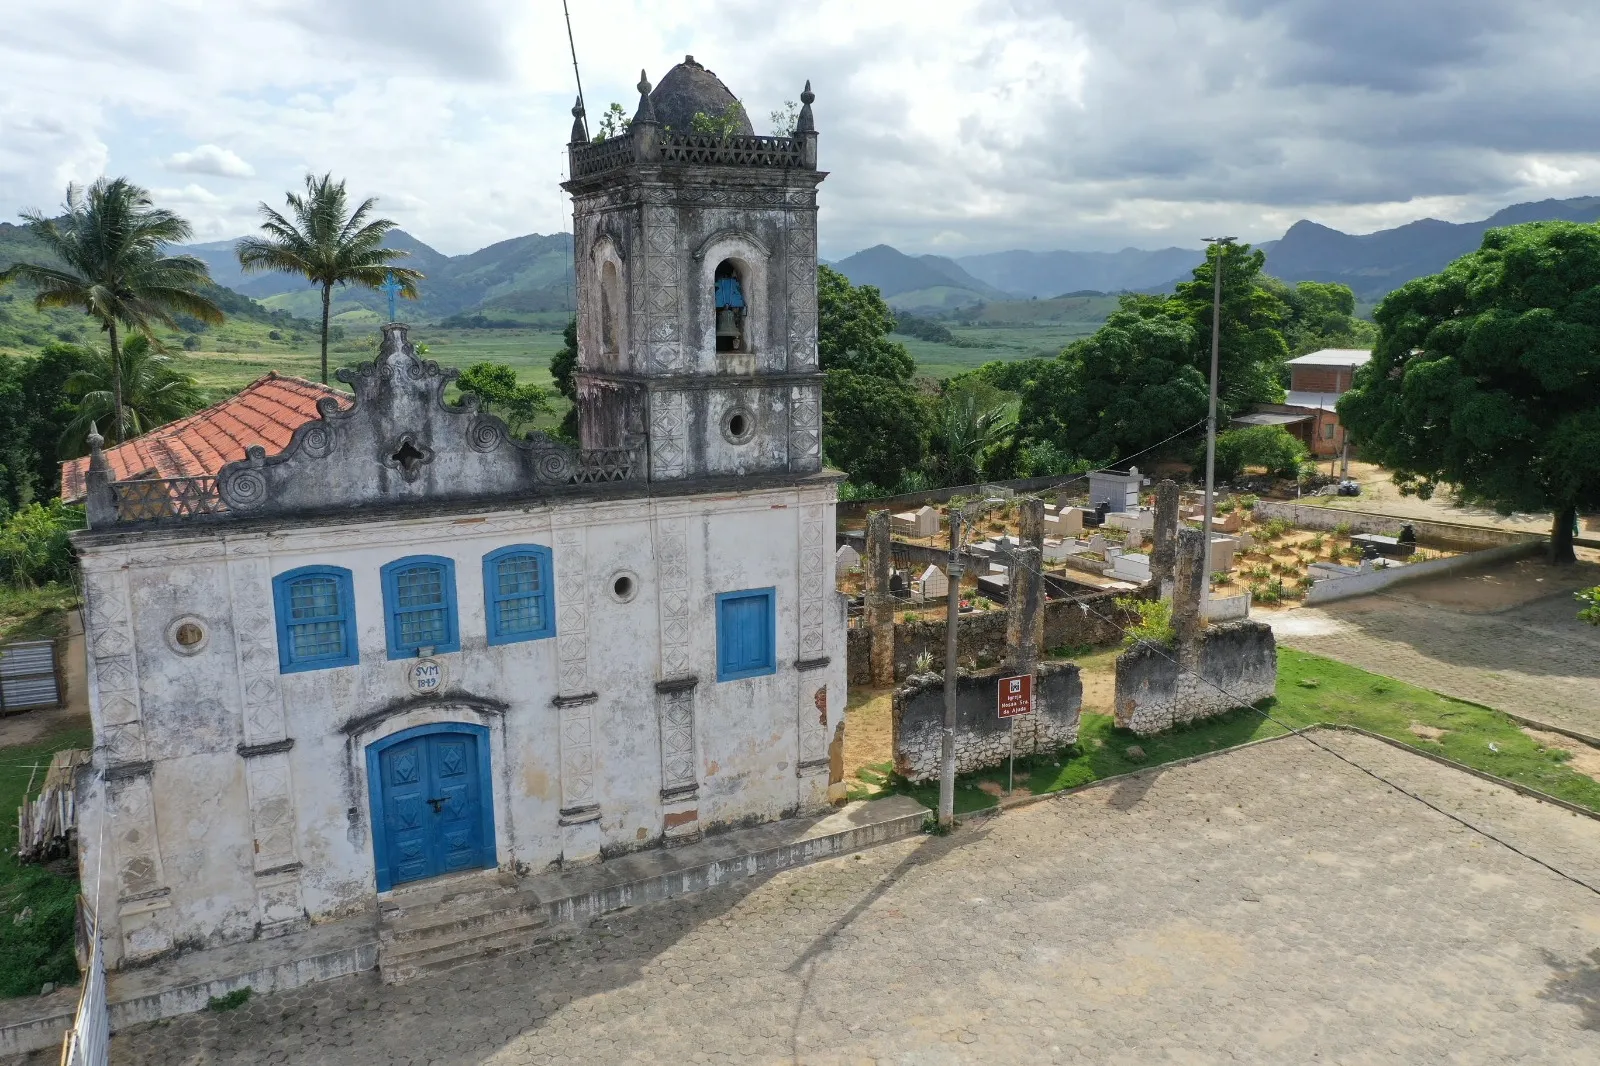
(879, 603)
(1164, 552)
(1188, 586)
(1030, 522)
(1024, 627)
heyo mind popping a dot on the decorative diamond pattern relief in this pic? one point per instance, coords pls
(678, 764)
(572, 652)
(805, 428)
(661, 288)
(814, 583)
(667, 420)
(116, 671)
(131, 813)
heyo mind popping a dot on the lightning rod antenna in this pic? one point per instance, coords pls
(576, 76)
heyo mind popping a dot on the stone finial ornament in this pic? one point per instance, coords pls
(580, 131)
(100, 506)
(805, 123)
(647, 110)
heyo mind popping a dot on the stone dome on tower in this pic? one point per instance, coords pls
(689, 88)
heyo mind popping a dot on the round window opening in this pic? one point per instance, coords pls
(738, 426)
(624, 586)
(187, 635)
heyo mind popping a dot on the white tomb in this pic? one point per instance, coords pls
(933, 584)
(846, 558)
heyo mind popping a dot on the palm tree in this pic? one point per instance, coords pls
(110, 245)
(966, 427)
(328, 244)
(154, 392)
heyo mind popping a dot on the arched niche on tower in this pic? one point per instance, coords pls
(606, 348)
(734, 339)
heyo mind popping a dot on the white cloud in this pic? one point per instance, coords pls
(962, 125)
(209, 159)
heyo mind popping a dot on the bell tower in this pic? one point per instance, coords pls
(697, 285)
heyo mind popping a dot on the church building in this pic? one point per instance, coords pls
(337, 653)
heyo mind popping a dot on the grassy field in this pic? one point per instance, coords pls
(1311, 691)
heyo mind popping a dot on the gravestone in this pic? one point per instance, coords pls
(847, 558)
(933, 583)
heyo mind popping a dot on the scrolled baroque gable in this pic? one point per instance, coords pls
(400, 441)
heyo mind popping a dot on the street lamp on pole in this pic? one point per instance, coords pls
(1221, 244)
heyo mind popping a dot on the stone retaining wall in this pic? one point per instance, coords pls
(1237, 666)
(983, 739)
(1451, 536)
(1089, 621)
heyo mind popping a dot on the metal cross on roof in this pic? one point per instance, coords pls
(392, 287)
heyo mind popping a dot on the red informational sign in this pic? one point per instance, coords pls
(1016, 695)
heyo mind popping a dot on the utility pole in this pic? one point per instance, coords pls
(947, 739)
(1221, 244)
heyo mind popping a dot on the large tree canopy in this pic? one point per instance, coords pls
(1487, 376)
(1252, 352)
(873, 422)
(1129, 386)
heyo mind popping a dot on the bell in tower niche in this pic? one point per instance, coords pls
(730, 309)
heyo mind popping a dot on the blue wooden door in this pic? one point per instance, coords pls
(431, 806)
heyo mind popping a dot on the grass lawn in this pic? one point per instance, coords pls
(36, 948)
(1311, 691)
(35, 614)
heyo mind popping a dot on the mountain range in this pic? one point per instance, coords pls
(1372, 264)
(530, 273)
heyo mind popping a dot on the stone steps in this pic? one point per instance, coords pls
(442, 927)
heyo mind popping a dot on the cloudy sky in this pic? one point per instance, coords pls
(950, 126)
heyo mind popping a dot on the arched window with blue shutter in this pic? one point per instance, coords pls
(316, 612)
(519, 594)
(419, 604)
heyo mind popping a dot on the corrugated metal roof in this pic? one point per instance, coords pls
(1334, 357)
(265, 412)
(1269, 418)
(1298, 398)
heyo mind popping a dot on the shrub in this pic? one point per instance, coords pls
(1315, 544)
(1155, 620)
(1342, 530)
(34, 544)
(1272, 447)
(1590, 598)
(1276, 528)
(191, 343)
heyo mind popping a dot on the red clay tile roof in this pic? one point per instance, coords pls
(265, 412)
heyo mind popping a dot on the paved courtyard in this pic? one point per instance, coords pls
(1269, 905)
(1518, 647)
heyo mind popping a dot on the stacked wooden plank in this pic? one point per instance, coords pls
(47, 824)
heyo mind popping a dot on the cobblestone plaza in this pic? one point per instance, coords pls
(1268, 905)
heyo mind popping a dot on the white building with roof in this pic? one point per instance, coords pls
(1316, 381)
(342, 644)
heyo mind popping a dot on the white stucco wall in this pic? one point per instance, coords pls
(238, 801)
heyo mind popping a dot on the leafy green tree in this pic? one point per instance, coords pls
(328, 244)
(498, 390)
(874, 424)
(1321, 314)
(1126, 388)
(853, 327)
(873, 428)
(110, 250)
(34, 405)
(563, 368)
(1486, 377)
(1271, 447)
(1252, 352)
(154, 392)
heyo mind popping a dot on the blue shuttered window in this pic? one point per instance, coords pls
(419, 603)
(746, 634)
(519, 594)
(316, 613)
